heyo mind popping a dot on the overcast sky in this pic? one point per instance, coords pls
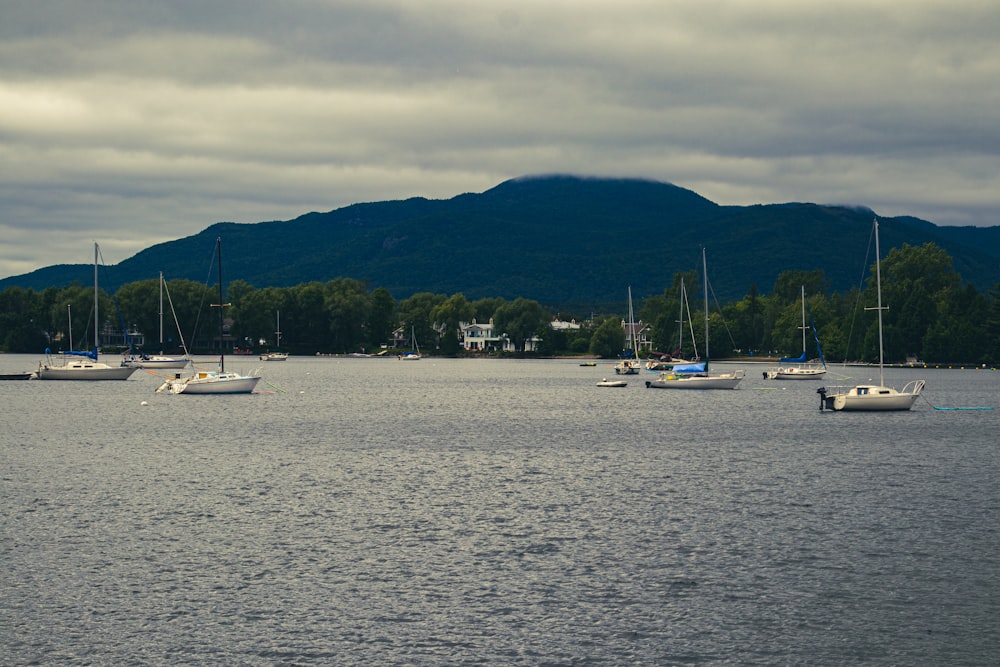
(133, 122)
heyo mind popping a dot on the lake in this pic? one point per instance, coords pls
(441, 512)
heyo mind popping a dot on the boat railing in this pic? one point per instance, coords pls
(913, 387)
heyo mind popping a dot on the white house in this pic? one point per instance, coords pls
(476, 337)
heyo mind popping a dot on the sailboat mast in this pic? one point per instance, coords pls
(704, 273)
(803, 327)
(631, 325)
(680, 320)
(96, 250)
(222, 346)
(878, 285)
(161, 312)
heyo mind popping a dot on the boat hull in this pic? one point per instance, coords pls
(872, 398)
(159, 362)
(212, 383)
(77, 370)
(796, 373)
(718, 381)
(627, 368)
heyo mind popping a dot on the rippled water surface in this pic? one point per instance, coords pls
(373, 512)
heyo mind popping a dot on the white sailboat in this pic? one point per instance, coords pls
(871, 397)
(214, 382)
(798, 368)
(697, 375)
(275, 355)
(414, 353)
(77, 365)
(630, 365)
(668, 361)
(153, 361)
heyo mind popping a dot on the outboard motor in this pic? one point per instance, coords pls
(822, 397)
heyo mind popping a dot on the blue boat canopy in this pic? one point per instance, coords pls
(691, 368)
(92, 354)
(790, 360)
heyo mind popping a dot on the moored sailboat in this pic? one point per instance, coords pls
(275, 355)
(799, 368)
(154, 361)
(83, 365)
(872, 397)
(214, 382)
(414, 353)
(697, 375)
(629, 364)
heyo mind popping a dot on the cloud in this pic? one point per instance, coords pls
(133, 123)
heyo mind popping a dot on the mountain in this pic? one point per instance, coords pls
(557, 239)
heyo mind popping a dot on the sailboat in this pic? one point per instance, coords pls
(214, 382)
(276, 355)
(160, 360)
(414, 353)
(80, 365)
(697, 375)
(666, 362)
(870, 397)
(798, 368)
(630, 364)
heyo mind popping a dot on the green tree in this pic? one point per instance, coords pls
(346, 307)
(22, 321)
(381, 317)
(521, 320)
(415, 312)
(447, 317)
(608, 339)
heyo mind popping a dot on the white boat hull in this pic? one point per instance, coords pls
(709, 381)
(796, 373)
(158, 362)
(211, 383)
(627, 368)
(873, 398)
(84, 370)
(273, 356)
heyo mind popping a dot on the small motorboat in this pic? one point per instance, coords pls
(605, 382)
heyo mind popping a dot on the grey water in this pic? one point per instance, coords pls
(446, 512)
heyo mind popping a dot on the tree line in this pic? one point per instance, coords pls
(931, 315)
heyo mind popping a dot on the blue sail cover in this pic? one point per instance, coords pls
(691, 368)
(792, 360)
(92, 354)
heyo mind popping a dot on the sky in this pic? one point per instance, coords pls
(134, 122)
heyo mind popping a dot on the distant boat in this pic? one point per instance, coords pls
(214, 382)
(414, 353)
(799, 368)
(275, 355)
(79, 365)
(605, 382)
(869, 397)
(666, 362)
(697, 376)
(160, 360)
(630, 365)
